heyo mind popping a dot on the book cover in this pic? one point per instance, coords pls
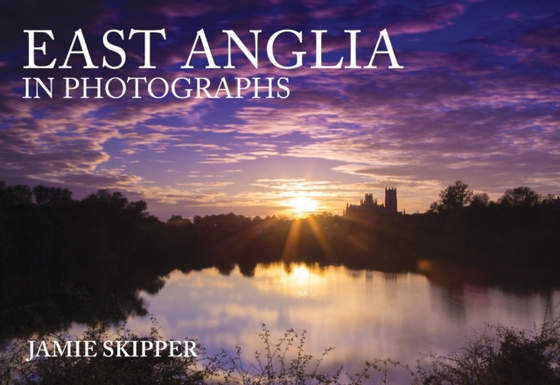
(298, 164)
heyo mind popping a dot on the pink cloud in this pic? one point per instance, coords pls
(434, 18)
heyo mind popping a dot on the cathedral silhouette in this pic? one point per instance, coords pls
(370, 209)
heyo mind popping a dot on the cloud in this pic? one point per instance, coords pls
(430, 19)
(226, 158)
(209, 146)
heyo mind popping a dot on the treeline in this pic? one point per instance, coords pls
(517, 231)
(458, 196)
(73, 260)
(512, 241)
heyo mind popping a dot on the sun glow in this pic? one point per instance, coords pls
(300, 273)
(303, 205)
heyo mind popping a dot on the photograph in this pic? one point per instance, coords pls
(280, 192)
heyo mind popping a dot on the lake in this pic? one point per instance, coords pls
(363, 314)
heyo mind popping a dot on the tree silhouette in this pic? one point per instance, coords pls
(453, 197)
(520, 196)
(51, 196)
(14, 195)
(480, 200)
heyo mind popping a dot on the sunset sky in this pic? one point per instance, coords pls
(477, 100)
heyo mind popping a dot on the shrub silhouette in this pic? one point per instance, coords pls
(164, 370)
(508, 357)
(275, 365)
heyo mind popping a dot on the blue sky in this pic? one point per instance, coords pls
(477, 100)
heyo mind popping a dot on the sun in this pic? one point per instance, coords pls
(303, 205)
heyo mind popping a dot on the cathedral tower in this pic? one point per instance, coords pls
(391, 200)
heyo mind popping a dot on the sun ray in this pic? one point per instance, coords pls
(315, 227)
(292, 241)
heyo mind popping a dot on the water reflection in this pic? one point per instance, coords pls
(364, 314)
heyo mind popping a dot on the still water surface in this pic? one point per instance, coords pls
(364, 314)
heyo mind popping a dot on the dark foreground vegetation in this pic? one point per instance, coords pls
(501, 356)
(64, 260)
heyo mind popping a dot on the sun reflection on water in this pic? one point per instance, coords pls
(293, 280)
(300, 273)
